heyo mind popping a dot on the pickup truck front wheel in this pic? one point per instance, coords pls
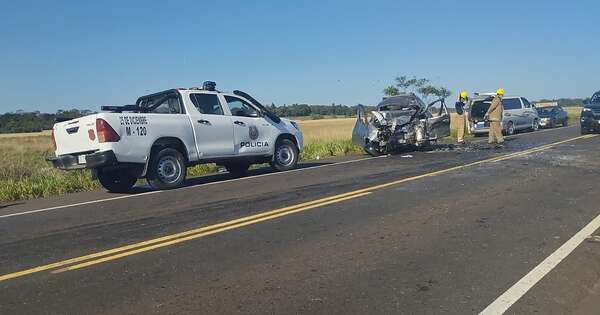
(286, 155)
(167, 169)
(116, 181)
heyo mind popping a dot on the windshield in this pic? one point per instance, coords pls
(596, 98)
(395, 107)
(401, 103)
(546, 110)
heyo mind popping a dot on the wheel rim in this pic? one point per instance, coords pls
(168, 169)
(285, 155)
(511, 129)
(535, 125)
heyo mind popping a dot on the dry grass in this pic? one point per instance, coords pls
(25, 174)
(574, 114)
(25, 134)
(327, 129)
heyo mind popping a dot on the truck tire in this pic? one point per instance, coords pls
(510, 129)
(116, 181)
(237, 169)
(166, 170)
(286, 155)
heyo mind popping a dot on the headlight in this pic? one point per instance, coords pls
(545, 119)
(295, 124)
(585, 109)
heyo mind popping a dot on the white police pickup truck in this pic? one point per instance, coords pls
(164, 133)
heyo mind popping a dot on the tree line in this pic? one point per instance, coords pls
(316, 111)
(21, 121)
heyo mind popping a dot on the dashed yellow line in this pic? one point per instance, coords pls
(152, 244)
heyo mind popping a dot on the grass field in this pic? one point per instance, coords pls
(24, 173)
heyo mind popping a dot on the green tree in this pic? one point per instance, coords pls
(391, 91)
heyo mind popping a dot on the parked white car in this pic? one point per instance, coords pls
(164, 133)
(519, 114)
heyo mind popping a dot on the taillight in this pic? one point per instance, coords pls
(53, 140)
(105, 132)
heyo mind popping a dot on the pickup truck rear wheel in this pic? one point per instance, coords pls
(116, 181)
(286, 155)
(166, 170)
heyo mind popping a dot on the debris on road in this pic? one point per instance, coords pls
(593, 238)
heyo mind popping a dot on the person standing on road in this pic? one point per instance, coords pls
(461, 114)
(494, 116)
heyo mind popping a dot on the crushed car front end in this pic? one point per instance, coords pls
(399, 121)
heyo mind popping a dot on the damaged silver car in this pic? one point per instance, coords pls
(400, 121)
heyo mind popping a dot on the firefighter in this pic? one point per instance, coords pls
(461, 113)
(494, 116)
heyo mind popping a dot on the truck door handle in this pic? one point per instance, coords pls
(241, 123)
(204, 122)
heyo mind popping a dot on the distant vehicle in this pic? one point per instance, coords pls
(401, 120)
(164, 133)
(590, 115)
(519, 114)
(552, 116)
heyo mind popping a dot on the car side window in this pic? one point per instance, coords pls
(511, 103)
(167, 105)
(207, 103)
(238, 107)
(526, 102)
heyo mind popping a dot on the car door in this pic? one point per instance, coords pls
(360, 130)
(213, 130)
(438, 125)
(253, 134)
(513, 112)
(529, 113)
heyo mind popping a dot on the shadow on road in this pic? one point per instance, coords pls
(10, 204)
(217, 177)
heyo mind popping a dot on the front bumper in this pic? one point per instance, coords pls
(590, 124)
(94, 160)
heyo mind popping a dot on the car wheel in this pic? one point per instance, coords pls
(535, 126)
(285, 156)
(510, 128)
(237, 169)
(565, 123)
(584, 131)
(116, 181)
(167, 169)
(371, 150)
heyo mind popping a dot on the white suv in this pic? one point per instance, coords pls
(164, 133)
(519, 114)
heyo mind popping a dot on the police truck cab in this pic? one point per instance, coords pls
(163, 133)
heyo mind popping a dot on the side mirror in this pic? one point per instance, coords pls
(586, 102)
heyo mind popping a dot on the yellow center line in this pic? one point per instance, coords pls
(194, 236)
(128, 250)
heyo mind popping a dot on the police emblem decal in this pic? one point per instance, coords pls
(253, 132)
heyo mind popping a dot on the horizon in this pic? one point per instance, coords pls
(92, 54)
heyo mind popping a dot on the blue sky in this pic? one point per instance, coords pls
(84, 54)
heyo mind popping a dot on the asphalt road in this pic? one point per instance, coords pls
(444, 231)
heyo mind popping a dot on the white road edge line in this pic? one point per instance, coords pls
(514, 293)
(182, 188)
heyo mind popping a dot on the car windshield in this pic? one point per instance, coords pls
(401, 103)
(545, 110)
(596, 98)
